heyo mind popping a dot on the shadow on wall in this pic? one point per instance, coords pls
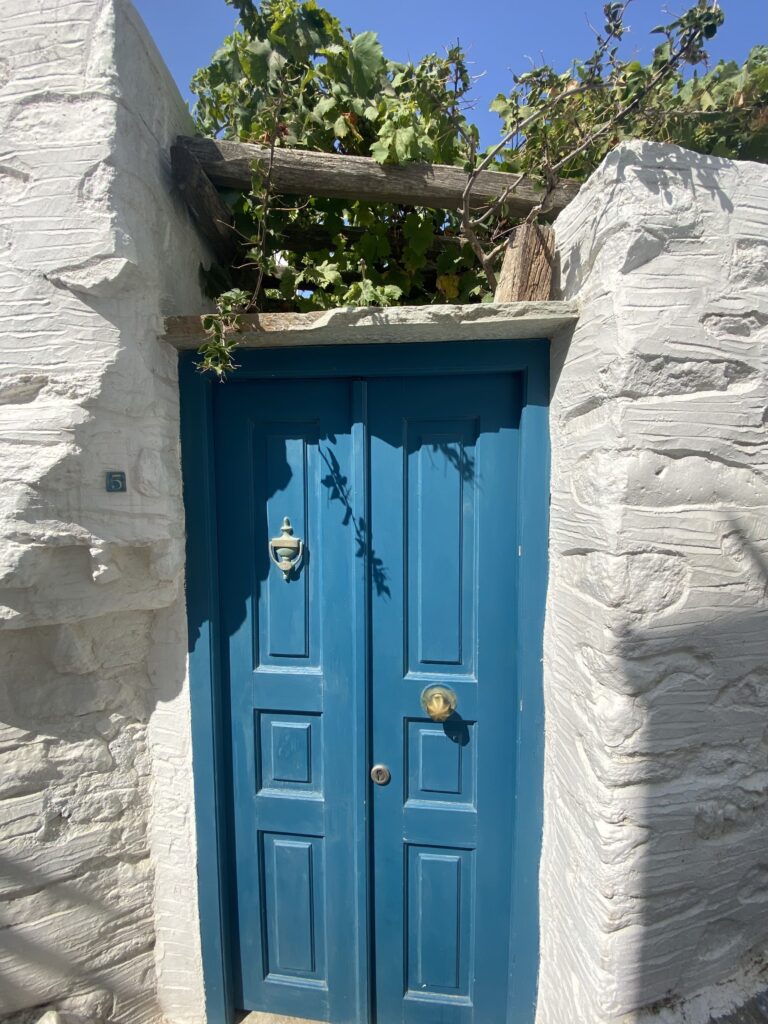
(93, 640)
(697, 695)
(661, 174)
(670, 681)
(678, 743)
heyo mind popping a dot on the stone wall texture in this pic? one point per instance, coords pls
(96, 824)
(655, 863)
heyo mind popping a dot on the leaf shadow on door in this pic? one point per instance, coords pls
(338, 490)
(456, 456)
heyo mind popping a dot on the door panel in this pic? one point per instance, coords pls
(443, 486)
(440, 772)
(294, 906)
(439, 924)
(284, 449)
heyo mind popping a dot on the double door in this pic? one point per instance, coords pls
(372, 694)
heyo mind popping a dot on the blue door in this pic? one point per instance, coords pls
(443, 467)
(285, 450)
(372, 695)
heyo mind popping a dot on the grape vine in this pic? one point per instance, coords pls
(291, 75)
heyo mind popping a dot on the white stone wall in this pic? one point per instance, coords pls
(655, 863)
(95, 781)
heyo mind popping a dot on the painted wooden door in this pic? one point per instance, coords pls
(349, 898)
(443, 489)
(286, 450)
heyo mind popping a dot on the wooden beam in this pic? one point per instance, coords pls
(208, 209)
(526, 272)
(214, 218)
(300, 172)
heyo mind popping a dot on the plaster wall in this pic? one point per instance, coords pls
(98, 914)
(654, 877)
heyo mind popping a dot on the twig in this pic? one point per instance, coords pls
(471, 223)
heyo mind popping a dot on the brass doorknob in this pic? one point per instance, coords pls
(439, 702)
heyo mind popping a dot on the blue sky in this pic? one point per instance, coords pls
(500, 36)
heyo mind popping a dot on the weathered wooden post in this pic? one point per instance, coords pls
(526, 272)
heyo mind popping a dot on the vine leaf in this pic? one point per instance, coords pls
(366, 62)
(256, 59)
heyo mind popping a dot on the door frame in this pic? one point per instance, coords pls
(208, 728)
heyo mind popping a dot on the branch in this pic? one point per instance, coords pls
(550, 171)
(625, 110)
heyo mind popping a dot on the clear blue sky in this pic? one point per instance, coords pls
(500, 36)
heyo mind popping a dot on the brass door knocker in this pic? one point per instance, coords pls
(286, 551)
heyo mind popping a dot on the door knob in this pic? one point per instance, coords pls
(439, 702)
(381, 774)
(286, 551)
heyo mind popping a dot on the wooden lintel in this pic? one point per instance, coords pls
(329, 175)
(210, 212)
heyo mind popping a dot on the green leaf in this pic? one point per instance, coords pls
(721, 148)
(391, 292)
(324, 106)
(446, 261)
(706, 100)
(419, 232)
(405, 144)
(380, 151)
(232, 300)
(255, 58)
(366, 62)
(340, 128)
(292, 73)
(373, 246)
(328, 273)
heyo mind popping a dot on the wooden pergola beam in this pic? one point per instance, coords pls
(209, 211)
(328, 175)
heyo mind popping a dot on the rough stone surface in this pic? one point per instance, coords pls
(654, 876)
(488, 321)
(97, 889)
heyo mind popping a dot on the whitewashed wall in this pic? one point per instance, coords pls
(95, 786)
(655, 863)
